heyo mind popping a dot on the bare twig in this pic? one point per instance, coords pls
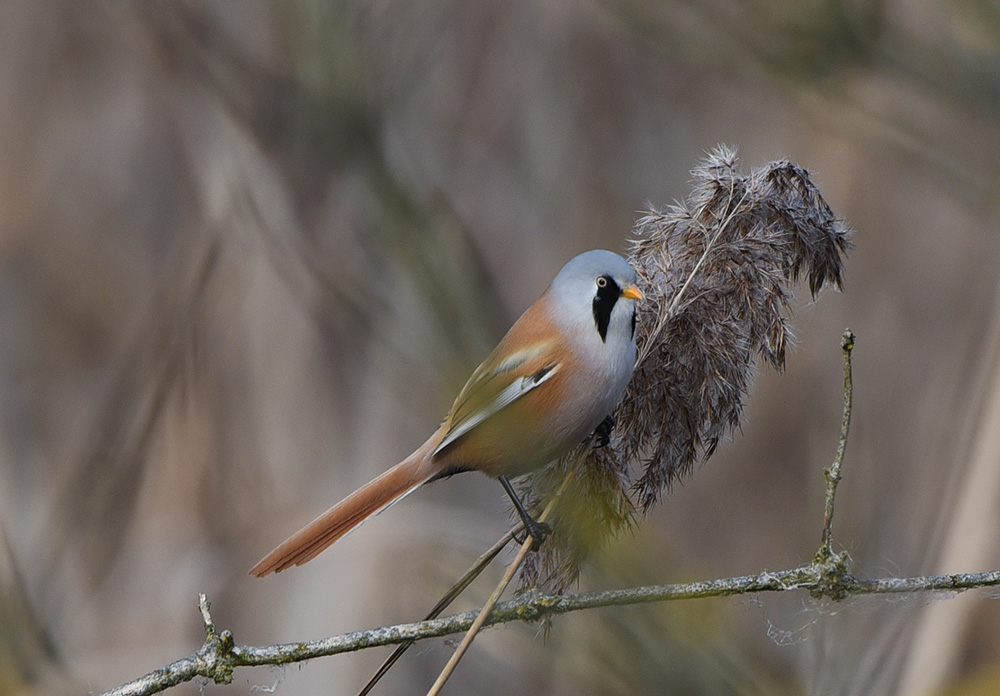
(833, 472)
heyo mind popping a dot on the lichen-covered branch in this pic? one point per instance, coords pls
(219, 657)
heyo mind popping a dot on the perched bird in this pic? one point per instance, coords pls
(550, 382)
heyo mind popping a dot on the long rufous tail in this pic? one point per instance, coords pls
(372, 498)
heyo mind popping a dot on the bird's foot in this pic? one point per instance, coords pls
(538, 531)
(603, 432)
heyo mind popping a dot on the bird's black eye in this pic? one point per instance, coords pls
(602, 281)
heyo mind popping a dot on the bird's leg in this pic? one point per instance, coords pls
(603, 431)
(535, 529)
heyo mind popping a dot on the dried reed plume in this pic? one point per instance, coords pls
(715, 271)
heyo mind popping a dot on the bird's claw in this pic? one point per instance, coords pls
(538, 531)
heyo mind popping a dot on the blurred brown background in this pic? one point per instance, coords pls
(250, 251)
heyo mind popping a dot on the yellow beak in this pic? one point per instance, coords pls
(632, 293)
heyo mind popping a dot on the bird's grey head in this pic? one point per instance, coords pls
(597, 288)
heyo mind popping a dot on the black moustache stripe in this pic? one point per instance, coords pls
(604, 302)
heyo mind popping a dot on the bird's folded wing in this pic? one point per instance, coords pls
(493, 388)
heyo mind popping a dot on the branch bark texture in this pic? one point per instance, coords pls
(219, 656)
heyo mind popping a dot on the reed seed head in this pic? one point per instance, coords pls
(715, 270)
